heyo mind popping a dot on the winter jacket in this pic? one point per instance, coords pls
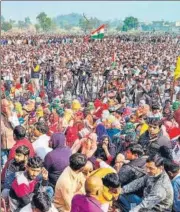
(176, 188)
(132, 171)
(158, 192)
(10, 174)
(24, 142)
(22, 190)
(153, 147)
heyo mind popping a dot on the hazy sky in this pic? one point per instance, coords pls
(144, 10)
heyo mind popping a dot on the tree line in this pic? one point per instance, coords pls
(44, 23)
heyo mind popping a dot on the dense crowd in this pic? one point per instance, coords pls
(90, 125)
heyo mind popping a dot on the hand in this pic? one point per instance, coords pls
(113, 209)
(104, 146)
(99, 160)
(119, 190)
(115, 190)
(44, 174)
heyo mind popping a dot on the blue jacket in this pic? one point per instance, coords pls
(10, 175)
(176, 188)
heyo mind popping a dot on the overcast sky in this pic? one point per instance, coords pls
(105, 10)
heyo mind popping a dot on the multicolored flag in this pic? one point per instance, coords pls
(98, 33)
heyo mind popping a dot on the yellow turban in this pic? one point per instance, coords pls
(76, 105)
(18, 108)
(68, 114)
(39, 112)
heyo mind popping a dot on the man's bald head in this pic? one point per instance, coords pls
(93, 185)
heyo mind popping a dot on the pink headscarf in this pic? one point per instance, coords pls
(87, 148)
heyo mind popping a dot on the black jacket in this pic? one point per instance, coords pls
(153, 147)
(158, 193)
(131, 171)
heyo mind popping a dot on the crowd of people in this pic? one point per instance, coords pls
(90, 125)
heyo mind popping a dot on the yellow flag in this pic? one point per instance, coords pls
(36, 69)
(177, 69)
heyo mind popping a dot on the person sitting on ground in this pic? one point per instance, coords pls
(110, 186)
(89, 202)
(89, 119)
(42, 203)
(27, 183)
(135, 168)
(70, 182)
(58, 159)
(142, 124)
(153, 139)
(15, 165)
(100, 131)
(123, 142)
(86, 146)
(173, 170)
(176, 151)
(41, 144)
(156, 112)
(158, 191)
(119, 162)
(106, 150)
(165, 153)
(88, 168)
(19, 133)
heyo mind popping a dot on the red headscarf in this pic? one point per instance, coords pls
(102, 106)
(30, 88)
